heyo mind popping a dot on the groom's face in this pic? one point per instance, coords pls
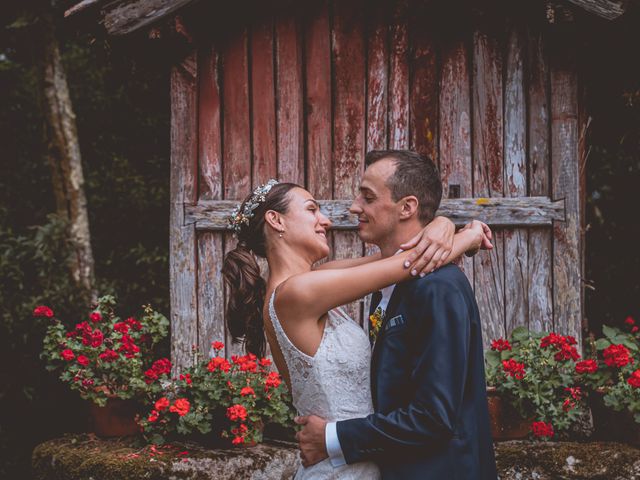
(377, 212)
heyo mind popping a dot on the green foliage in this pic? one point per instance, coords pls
(534, 371)
(104, 356)
(212, 389)
(617, 375)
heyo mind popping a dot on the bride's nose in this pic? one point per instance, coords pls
(324, 221)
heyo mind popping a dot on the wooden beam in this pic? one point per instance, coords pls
(515, 211)
(126, 16)
(609, 9)
(81, 6)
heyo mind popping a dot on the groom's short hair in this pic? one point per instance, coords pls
(415, 175)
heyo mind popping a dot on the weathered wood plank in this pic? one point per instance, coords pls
(515, 168)
(455, 125)
(209, 244)
(540, 253)
(263, 116)
(423, 114)
(183, 188)
(399, 77)
(127, 16)
(348, 50)
(377, 77)
(318, 102)
(565, 177)
(236, 129)
(609, 9)
(289, 104)
(498, 212)
(488, 165)
(237, 141)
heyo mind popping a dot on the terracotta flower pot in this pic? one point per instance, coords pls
(506, 422)
(115, 419)
(610, 425)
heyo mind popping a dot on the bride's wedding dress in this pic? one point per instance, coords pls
(333, 384)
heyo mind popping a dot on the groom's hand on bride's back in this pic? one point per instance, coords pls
(311, 440)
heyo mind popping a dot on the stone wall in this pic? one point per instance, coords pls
(80, 457)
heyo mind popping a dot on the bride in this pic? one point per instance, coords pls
(322, 354)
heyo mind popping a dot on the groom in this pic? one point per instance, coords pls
(427, 373)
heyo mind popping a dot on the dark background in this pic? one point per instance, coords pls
(120, 93)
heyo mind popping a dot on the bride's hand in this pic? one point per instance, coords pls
(432, 246)
(483, 236)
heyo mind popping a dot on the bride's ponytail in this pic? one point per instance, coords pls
(245, 287)
(246, 290)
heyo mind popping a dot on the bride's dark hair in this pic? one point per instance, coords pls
(245, 287)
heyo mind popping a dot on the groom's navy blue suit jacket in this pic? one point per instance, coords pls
(431, 419)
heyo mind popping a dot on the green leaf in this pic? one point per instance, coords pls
(520, 334)
(602, 343)
(610, 332)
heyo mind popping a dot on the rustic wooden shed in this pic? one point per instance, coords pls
(491, 91)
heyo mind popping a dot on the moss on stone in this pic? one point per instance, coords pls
(567, 460)
(79, 457)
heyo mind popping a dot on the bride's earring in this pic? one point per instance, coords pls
(281, 232)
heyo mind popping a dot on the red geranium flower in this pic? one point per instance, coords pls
(265, 362)
(162, 404)
(42, 311)
(513, 368)
(108, 356)
(634, 379)
(217, 346)
(186, 378)
(566, 352)
(500, 345)
(617, 356)
(67, 355)
(181, 406)
(95, 317)
(237, 412)
(587, 366)
(273, 380)
(154, 416)
(542, 429)
(247, 391)
(629, 320)
(218, 363)
(133, 323)
(82, 360)
(238, 440)
(552, 339)
(121, 327)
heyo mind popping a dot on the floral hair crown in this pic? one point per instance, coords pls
(241, 215)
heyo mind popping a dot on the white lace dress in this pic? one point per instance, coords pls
(333, 384)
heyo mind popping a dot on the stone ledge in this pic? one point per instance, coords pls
(84, 457)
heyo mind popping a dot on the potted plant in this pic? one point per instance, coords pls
(612, 378)
(533, 374)
(103, 358)
(220, 399)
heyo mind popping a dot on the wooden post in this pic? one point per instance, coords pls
(236, 144)
(210, 244)
(488, 167)
(567, 308)
(348, 51)
(515, 149)
(540, 253)
(182, 240)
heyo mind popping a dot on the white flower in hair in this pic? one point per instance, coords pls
(241, 215)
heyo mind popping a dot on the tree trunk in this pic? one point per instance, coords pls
(64, 158)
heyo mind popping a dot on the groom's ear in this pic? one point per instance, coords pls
(408, 207)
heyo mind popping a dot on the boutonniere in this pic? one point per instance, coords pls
(375, 322)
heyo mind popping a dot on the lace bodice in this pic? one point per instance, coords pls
(333, 384)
